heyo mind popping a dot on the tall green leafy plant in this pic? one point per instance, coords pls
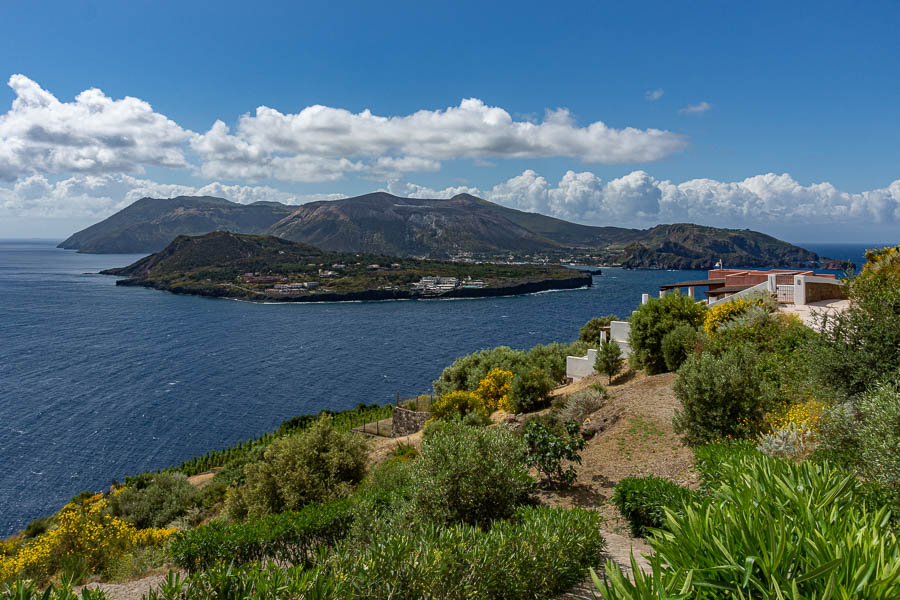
(652, 321)
(771, 529)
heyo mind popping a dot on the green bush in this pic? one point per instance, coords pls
(710, 460)
(609, 359)
(547, 451)
(529, 389)
(860, 345)
(318, 465)
(289, 537)
(652, 321)
(677, 345)
(469, 474)
(577, 406)
(552, 358)
(257, 581)
(26, 589)
(771, 530)
(867, 438)
(155, 500)
(643, 500)
(467, 371)
(37, 527)
(721, 396)
(539, 553)
(590, 333)
(383, 503)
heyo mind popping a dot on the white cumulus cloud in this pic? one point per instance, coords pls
(696, 109)
(98, 196)
(334, 141)
(93, 134)
(638, 199)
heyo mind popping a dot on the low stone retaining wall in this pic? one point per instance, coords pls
(406, 422)
(816, 291)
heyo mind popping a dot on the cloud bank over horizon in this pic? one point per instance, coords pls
(768, 202)
(87, 158)
(98, 135)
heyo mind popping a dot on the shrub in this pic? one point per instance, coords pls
(861, 344)
(609, 359)
(871, 437)
(493, 390)
(528, 390)
(772, 529)
(591, 332)
(467, 371)
(710, 460)
(577, 406)
(552, 358)
(257, 581)
(721, 396)
(547, 451)
(677, 345)
(652, 321)
(469, 474)
(37, 527)
(318, 465)
(154, 501)
(383, 503)
(539, 553)
(457, 403)
(793, 430)
(24, 589)
(86, 540)
(643, 500)
(729, 310)
(291, 537)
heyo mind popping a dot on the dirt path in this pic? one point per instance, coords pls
(637, 440)
(127, 590)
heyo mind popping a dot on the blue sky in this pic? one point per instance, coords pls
(807, 92)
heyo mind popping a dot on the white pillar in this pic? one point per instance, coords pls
(800, 290)
(645, 298)
(691, 292)
(662, 293)
(772, 284)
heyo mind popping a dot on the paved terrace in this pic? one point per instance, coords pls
(808, 312)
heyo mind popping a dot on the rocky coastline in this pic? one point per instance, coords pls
(531, 287)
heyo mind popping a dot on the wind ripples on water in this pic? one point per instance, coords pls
(98, 382)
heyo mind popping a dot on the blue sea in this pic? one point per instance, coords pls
(98, 382)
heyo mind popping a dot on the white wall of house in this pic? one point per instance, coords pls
(578, 367)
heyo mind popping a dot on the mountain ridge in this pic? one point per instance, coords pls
(463, 227)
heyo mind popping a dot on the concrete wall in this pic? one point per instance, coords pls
(813, 288)
(406, 422)
(578, 367)
(619, 331)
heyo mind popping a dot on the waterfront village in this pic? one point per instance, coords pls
(431, 285)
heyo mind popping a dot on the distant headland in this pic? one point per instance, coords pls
(269, 269)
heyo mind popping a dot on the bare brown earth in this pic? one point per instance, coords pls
(637, 441)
